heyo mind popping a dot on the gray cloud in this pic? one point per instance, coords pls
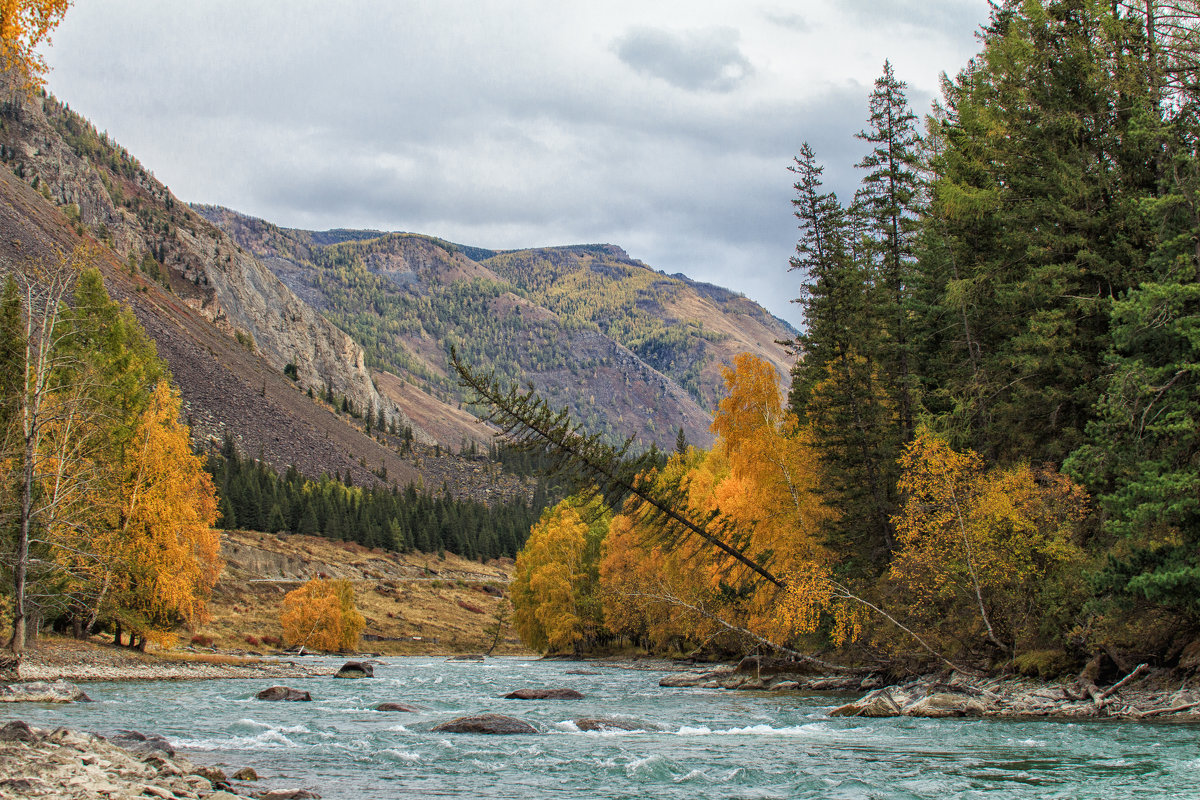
(494, 129)
(948, 17)
(787, 19)
(699, 60)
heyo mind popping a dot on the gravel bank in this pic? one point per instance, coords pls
(69, 660)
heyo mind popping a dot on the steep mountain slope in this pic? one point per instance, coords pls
(629, 350)
(104, 191)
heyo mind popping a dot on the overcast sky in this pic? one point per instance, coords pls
(662, 127)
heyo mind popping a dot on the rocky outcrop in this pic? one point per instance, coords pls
(544, 694)
(104, 190)
(283, 693)
(43, 692)
(355, 669)
(776, 680)
(495, 724)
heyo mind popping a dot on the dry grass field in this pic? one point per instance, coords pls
(413, 603)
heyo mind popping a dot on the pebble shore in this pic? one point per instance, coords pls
(64, 764)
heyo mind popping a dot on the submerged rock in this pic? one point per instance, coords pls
(283, 693)
(487, 723)
(356, 669)
(544, 694)
(610, 724)
(43, 692)
(396, 707)
(142, 744)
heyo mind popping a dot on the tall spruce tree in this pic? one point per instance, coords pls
(890, 200)
(836, 384)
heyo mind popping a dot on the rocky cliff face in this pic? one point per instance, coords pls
(105, 191)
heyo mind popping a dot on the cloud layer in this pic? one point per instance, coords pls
(665, 128)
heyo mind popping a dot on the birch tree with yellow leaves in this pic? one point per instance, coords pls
(983, 554)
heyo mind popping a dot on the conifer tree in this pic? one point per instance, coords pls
(836, 384)
(890, 197)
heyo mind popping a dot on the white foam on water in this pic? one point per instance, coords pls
(641, 764)
(267, 740)
(755, 730)
(694, 775)
(406, 756)
(398, 729)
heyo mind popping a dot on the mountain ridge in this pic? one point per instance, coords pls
(652, 345)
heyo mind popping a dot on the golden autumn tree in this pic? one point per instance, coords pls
(980, 549)
(24, 26)
(108, 510)
(654, 591)
(322, 615)
(166, 549)
(759, 488)
(555, 588)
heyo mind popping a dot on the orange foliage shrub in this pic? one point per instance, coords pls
(321, 615)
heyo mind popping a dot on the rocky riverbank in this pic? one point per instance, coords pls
(70, 765)
(1142, 694)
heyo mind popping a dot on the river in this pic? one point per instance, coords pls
(695, 743)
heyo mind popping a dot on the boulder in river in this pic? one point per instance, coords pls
(395, 707)
(486, 723)
(245, 774)
(142, 744)
(356, 669)
(283, 693)
(879, 703)
(43, 692)
(945, 704)
(544, 694)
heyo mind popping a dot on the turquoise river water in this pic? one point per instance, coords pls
(694, 743)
